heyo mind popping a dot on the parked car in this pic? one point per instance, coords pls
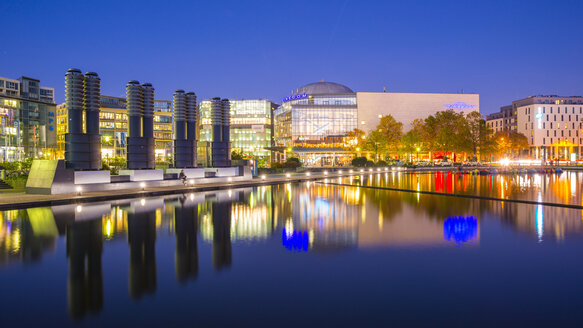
(424, 163)
(445, 163)
(472, 163)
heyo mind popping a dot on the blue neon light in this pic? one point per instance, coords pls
(460, 229)
(459, 105)
(294, 97)
(538, 116)
(298, 241)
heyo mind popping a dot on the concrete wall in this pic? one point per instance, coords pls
(405, 107)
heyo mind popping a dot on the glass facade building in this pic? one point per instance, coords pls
(27, 120)
(113, 128)
(312, 122)
(251, 128)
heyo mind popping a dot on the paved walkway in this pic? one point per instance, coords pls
(19, 199)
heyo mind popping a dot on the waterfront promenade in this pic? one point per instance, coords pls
(19, 199)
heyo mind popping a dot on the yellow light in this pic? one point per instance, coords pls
(357, 148)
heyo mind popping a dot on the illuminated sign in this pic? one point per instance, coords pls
(459, 105)
(294, 97)
(460, 229)
(538, 116)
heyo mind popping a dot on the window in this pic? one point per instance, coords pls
(543, 141)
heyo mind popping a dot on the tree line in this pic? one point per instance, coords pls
(447, 132)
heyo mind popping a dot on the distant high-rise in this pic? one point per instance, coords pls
(82, 146)
(185, 113)
(140, 143)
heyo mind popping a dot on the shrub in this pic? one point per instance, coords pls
(369, 163)
(382, 163)
(359, 161)
(293, 162)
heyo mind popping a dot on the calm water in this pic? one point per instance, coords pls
(303, 255)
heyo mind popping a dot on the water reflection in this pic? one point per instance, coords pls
(302, 218)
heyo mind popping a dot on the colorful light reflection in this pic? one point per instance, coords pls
(298, 241)
(460, 229)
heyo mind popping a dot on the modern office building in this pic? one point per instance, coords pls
(251, 128)
(553, 125)
(312, 122)
(113, 128)
(505, 119)
(27, 119)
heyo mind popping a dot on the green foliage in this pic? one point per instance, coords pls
(369, 164)
(382, 163)
(359, 161)
(292, 163)
(392, 131)
(509, 141)
(236, 155)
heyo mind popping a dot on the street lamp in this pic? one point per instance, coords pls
(418, 149)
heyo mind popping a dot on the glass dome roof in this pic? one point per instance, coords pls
(323, 88)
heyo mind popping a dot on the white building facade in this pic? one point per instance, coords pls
(553, 126)
(406, 107)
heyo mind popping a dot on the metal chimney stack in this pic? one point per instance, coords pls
(221, 123)
(185, 143)
(140, 142)
(82, 148)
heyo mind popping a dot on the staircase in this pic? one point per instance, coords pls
(4, 185)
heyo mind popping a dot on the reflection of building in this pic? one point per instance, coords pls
(85, 283)
(142, 244)
(251, 127)
(27, 119)
(113, 128)
(186, 228)
(222, 249)
(313, 121)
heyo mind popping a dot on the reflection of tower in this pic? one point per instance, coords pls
(186, 224)
(142, 242)
(85, 284)
(222, 253)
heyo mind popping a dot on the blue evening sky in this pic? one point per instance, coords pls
(503, 50)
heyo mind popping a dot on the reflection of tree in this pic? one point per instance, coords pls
(142, 242)
(186, 224)
(222, 253)
(85, 283)
(25, 236)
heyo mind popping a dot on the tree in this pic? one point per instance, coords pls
(392, 131)
(375, 142)
(479, 135)
(355, 139)
(410, 141)
(236, 155)
(510, 141)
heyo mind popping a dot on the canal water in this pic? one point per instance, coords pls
(303, 254)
